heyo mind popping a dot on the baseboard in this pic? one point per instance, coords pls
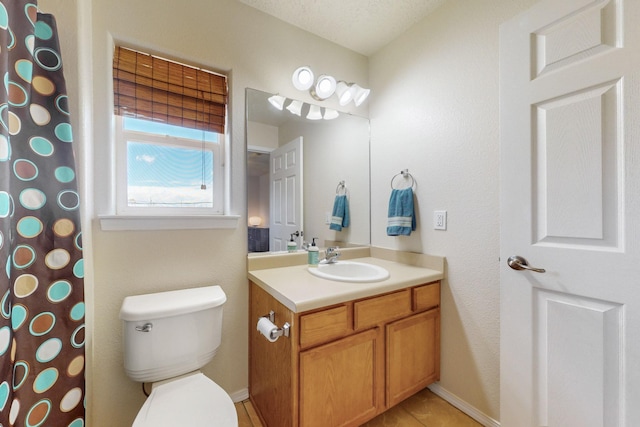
(240, 395)
(468, 409)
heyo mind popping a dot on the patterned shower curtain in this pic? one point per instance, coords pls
(42, 329)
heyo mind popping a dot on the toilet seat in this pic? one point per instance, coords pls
(193, 400)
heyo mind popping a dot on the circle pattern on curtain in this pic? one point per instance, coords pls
(42, 310)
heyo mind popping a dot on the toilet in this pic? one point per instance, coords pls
(168, 337)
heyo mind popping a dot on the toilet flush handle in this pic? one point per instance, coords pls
(145, 328)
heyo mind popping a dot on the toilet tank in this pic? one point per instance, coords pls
(167, 334)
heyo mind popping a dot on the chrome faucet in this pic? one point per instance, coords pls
(331, 255)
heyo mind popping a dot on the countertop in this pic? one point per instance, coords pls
(300, 291)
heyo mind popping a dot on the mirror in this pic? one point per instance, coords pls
(331, 156)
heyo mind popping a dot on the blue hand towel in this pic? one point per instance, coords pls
(340, 214)
(402, 219)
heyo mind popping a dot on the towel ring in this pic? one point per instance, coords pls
(341, 186)
(406, 175)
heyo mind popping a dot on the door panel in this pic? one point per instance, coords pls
(568, 327)
(570, 203)
(578, 29)
(286, 188)
(576, 174)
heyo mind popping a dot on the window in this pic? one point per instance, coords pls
(170, 125)
(166, 169)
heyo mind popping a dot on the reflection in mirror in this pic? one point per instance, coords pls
(295, 167)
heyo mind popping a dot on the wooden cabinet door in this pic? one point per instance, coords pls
(413, 355)
(341, 383)
(271, 368)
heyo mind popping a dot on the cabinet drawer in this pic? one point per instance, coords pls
(323, 326)
(427, 296)
(378, 310)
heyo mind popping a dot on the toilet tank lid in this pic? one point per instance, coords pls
(171, 303)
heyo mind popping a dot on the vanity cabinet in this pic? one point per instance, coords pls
(344, 364)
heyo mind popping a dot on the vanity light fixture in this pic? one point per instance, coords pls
(327, 85)
(344, 93)
(330, 114)
(324, 88)
(302, 78)
(277, 101)
(359, 94)
(295, 107)
(314, 113)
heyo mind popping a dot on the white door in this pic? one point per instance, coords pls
(570, 204)
(285, 176)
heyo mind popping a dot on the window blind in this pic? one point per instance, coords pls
(152, 88)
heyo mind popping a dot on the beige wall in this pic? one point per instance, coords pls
(434, 110)
(264, 137)
(256, 51)
(332, 152)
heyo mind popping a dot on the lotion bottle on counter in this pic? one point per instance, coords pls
(292, 246)
(313, 253)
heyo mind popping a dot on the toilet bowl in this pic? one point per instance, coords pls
(168, 337)
(191, 400)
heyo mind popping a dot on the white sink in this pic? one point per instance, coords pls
(350, 271)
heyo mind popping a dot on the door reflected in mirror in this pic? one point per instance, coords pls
(295, 168)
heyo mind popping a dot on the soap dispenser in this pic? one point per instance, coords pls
(291, 244)
(313, 253)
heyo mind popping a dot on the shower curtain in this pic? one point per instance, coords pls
(42, 330)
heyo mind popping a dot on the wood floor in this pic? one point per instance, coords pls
(422, 409)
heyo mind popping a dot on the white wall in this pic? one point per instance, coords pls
(258, 198)
(434, 110)
(334, 151)
(264, 138)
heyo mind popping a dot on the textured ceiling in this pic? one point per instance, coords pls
(364, 26)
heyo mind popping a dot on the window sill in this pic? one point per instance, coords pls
(192, 222)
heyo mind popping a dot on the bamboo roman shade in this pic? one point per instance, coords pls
(153, 88)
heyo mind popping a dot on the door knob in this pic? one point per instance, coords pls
(518, 263)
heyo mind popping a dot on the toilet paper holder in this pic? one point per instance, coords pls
(280, 331)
